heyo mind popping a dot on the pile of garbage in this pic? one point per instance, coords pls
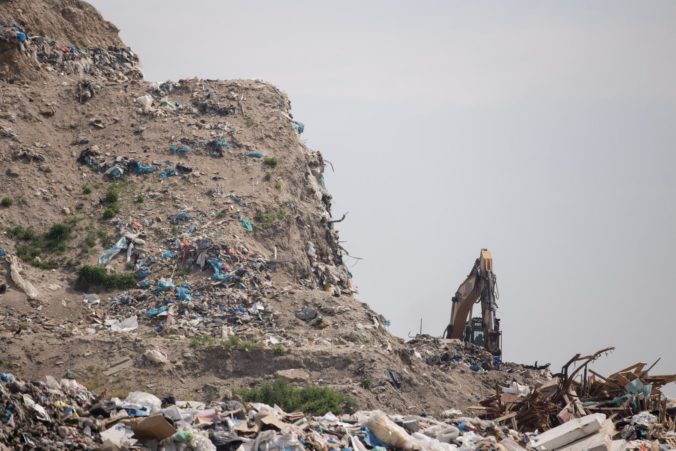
(63, 414)
(632, 396)
(200, 282)
(449, 353)
(116, 63)
(115, 168)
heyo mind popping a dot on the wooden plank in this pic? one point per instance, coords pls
(505, 417)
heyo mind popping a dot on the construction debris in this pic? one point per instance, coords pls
(579, 392)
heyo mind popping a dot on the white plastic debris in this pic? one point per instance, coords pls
(19, 281)
(516, 389)
(91, 299)
(143, 399)
(125, 325)
(120, 435)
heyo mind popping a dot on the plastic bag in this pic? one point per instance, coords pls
(143, 399)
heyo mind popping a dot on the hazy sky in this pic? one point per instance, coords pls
(543, 131)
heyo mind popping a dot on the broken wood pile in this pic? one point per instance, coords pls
(578, 391)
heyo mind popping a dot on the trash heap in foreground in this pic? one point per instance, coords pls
(63, 414)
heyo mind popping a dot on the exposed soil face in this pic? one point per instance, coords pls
(232, 184)
(71, 22)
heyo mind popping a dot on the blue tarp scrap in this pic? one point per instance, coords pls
(164, 285)
(370, 438)
(167, 86)
(299, 126)
(7, 377)
(123, 299)
(112, 251)
(2, 252)
(179, 217)
(182, 150)
(156, 311)
(164, 175)
(136, 412)
(114, 172)
(255, 154)
(145, 284)
(219, 271)
(141, 168)
(183, 294)
(166, 254)
(142, 272)
(219, 144)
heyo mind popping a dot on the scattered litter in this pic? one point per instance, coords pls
(125, 325)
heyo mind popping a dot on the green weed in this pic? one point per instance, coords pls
(34, 244)
(267, 219)
(270, 162)
(112, 203)
(92, 277)
(279, 349)
(308, 399)
(233, 342)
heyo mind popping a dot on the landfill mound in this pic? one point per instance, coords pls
(179, 235)
(177, 239)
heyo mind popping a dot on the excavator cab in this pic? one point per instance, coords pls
(474, 332)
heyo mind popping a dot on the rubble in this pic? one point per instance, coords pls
(579, 392)
(67, 416)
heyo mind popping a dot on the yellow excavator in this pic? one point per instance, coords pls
(479, 286)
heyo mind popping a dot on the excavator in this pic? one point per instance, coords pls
(479, 286)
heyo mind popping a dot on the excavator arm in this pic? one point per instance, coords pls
(478, 286)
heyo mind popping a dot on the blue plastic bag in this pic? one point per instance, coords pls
(183, 294)
(164, 175)
(156, 311)
(140, 168)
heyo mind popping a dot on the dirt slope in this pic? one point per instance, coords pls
(236, 269)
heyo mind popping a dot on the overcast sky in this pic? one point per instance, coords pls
(543, 131)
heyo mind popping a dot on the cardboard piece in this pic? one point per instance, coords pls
(155, 427)
(274, 422)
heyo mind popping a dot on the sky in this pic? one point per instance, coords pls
(543, 131)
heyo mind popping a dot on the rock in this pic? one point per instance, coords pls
(306, 313)
(156, 356)
(294, 375)
(66, 211)
(12, 172)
